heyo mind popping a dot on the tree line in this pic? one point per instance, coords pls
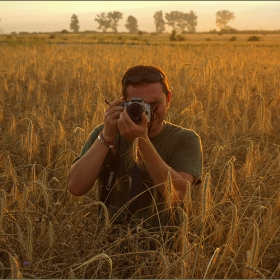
(179, 21)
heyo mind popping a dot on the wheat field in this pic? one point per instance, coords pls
(52, 95)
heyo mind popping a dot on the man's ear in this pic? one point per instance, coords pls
(168, 98)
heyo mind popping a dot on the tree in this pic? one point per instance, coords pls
(177, 20)
(114, 19)
(74, 24)
(159, 22)
(131, 24)
(172, 18)
(192, 22)
(109, 20)
(104, 21)
(223, 17)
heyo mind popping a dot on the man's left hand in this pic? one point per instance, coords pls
(130, 130)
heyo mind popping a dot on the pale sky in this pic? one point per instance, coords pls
(59, 7)
(50, 16)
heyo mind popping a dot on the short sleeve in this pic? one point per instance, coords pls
(187, 154)
(90, 140)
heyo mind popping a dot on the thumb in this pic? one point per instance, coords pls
(144, 118)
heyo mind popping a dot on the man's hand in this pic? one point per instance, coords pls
(130, 130)
(111, 118)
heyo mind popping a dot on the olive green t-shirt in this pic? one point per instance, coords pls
(180, 148)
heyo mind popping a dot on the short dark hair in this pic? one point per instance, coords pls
(144, 70)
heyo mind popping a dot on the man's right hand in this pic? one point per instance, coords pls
(111, 117)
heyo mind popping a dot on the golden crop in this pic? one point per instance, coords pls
(52, 95)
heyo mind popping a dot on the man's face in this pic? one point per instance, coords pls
(152, 93)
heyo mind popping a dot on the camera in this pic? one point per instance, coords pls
(136, 107)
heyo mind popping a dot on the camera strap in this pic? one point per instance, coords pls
(110, 178)
(136, 189)
(109, 181)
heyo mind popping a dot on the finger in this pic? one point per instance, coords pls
(123, 121)
(114, 104)
(126, 118)
(113, 110)
(110, 116)
(144, 119)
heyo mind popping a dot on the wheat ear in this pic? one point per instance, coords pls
(98, 257)
(16, 274)
(206, 189)
(29, 248)
(212, 260)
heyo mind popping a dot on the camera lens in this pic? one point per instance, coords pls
(135, 112)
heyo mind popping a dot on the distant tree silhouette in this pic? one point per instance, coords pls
(74, 24)
(114, 19)
(131, 24)
(192, 22)
(177, 20)
(109, 20)
(104, 22)
(159, 22)
(223, 17)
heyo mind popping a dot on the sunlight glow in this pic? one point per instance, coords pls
(50, 16)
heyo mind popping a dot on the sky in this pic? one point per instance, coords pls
(51, 16)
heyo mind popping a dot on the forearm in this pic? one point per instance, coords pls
(159, 171)
(84, 172)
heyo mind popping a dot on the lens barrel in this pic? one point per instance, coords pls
(135, 111)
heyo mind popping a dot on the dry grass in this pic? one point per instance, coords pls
(51, 96)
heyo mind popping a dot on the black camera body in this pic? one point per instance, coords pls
(136, 107)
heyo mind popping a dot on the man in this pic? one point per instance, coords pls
(168, 157)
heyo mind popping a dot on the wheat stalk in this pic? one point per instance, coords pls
(255, 246)
(212, 260)
(8, 166)
(3, 199)
(253, 252)
(33, 176)
(15, 270)
(19, 236)
(71, 274)
(2, 268)
(30, 139)
(29, 247)
(256, 271)
(277, 269)
(233, 227)
(169, 189)
(205, 200)
(61, 132)
(97, 257)
(249, 159)
(188, 199)
(135, 150)
(1, 114)
(45, 194)
(50, 234)
(163, 264)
